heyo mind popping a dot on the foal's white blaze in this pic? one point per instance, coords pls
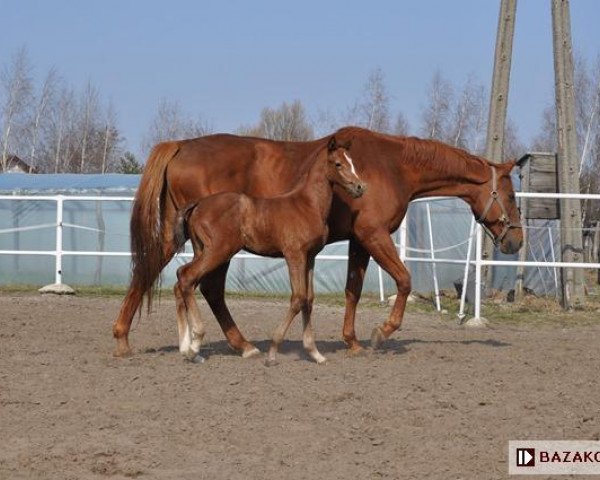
(349, 160)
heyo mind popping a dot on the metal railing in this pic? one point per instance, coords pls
(475, 237)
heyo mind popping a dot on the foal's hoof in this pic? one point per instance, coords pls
(271, 362)
(377, 338)
(251, 352)
(198, 359)
(193, 357)
(121, 352)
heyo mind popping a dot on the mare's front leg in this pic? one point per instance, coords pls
(381, 247)
(358, 260)
(213, 289)
(297, 270)
(308, 337)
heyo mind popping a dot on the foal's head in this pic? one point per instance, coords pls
(341, 170)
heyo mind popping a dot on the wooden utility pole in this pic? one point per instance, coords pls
(494, 145)
(573, 293)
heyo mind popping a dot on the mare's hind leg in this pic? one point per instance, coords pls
(132, 303)
(297, 269)
(308, 337)
(358, 260)
(122, 324)
(213, 289)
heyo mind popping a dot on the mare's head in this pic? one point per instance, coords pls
(495, 208)
(340, 168)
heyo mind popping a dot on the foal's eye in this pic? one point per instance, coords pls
(338, 165)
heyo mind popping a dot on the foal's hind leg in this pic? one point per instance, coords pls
(187, 346)
(308, 337)
(297, 269)
(213, 289)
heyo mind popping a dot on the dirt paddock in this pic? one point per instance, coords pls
(440, 401)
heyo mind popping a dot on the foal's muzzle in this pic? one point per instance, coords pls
(357, 190)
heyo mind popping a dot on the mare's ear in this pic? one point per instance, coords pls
(332, 144)
(347, 145)
(509, 165)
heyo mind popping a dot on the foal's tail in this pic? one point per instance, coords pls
(147, 222)
(181, 231)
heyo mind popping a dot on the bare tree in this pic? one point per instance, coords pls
(89, 110)
(402, 126)
(372, 109)
(436, 114)
(17, 87)
(325, 122)
(288, 122)
(60, 121)
(171, 123)
(468, 111)
(545, 140)
(514, 148)
(40, 114)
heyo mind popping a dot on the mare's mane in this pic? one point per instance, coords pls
(428, 154)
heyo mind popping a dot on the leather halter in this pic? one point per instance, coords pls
(504, 218)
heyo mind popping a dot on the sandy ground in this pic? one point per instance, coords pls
(439, 402)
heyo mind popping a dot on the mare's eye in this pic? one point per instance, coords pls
(338, 165)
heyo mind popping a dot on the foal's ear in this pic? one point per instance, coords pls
(332, 144)
(347, 145)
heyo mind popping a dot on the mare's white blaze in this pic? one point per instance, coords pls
(349, 160)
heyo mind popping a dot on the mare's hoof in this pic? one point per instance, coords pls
(271, 362)
(251, 352)
(356, 351)
(377, 338)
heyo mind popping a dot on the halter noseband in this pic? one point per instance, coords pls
(504, 218)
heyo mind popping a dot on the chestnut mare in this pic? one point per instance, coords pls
(292, 225)
(397, 169)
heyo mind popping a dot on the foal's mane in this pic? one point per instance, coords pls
(434, 155)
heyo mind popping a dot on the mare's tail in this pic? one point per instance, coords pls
(147, 223)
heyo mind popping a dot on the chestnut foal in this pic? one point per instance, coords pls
(292, 225)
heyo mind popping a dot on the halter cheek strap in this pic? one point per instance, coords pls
(504, 218)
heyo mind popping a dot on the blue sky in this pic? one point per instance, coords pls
(226, 60)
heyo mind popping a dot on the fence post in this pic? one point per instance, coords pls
(463, 293)
(58, 286)
(573, 291)
(477, 320)
(436, 288)
(59, 240)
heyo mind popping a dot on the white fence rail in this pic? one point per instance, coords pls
(475, 236)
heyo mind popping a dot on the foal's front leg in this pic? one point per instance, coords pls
(308, 337)
(297, 271)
